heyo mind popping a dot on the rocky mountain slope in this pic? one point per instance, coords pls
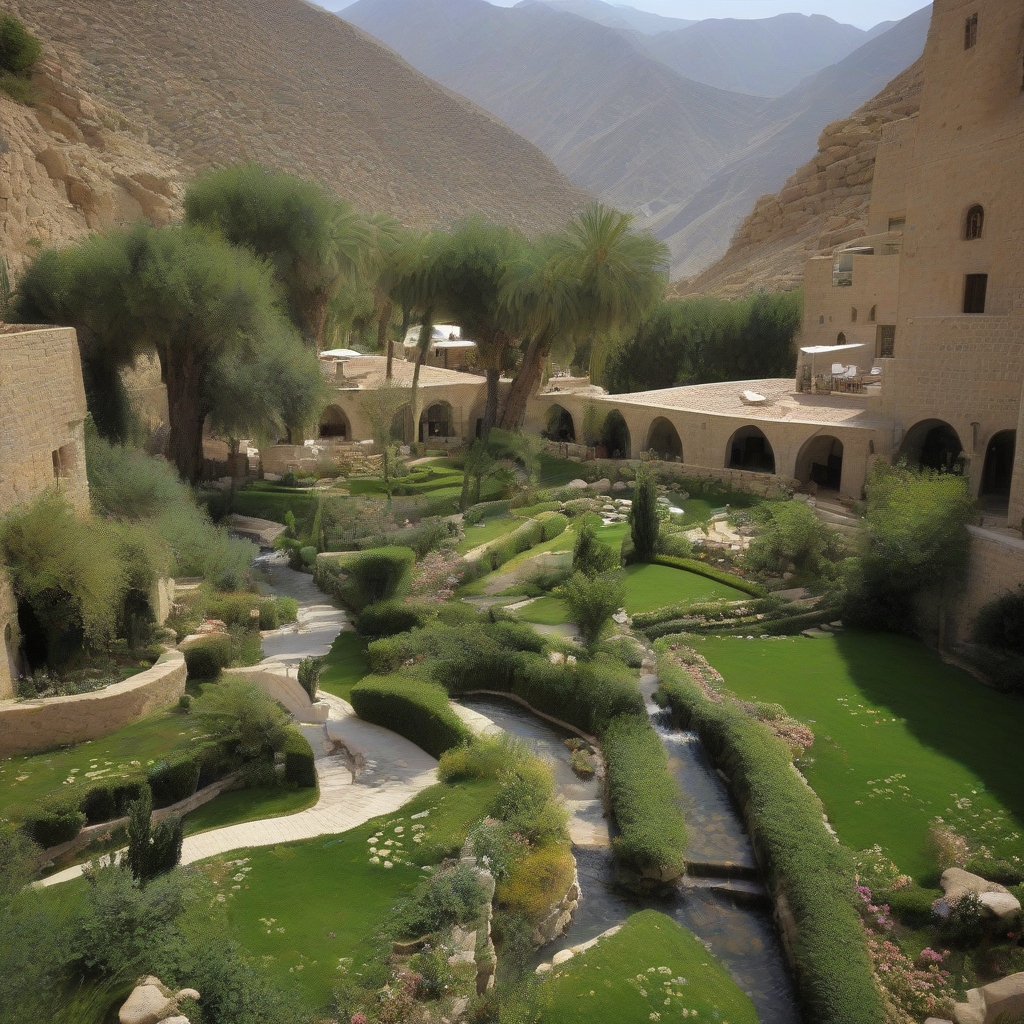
(690, 160)
(822, 205)
(140, 95)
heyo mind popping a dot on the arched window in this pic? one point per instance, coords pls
(853, 315)
(821, 318)
(873, 314)
(970, 31)
(975, 223)
(840, 338)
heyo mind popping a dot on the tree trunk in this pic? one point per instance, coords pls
(421, 353)
(491, 408)
(185, 443)
(316, 321)
(383, 323)
(391, 344)
(526, 382)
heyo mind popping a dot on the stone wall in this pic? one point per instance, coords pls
(996, 567)
(42, 415)
(355, 459)
(33, 725)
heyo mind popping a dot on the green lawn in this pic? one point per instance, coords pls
(305, 908)
(26, 780)
(488, 530)
(647, 587)
(344, 665)
(555, 472)
(653, 969)
(263, 503)
(900, 738)
(239, 805)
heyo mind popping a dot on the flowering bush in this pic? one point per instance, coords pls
(912, 989)
(876, 871)
(950, 848)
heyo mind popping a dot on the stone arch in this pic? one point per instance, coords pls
(559, 425)
(663, 439)
(997, 474)
(437, 420)
(935, 445)
(841, 338)
(853, 314)
(334, 423)
(749, 449)
(873, 314)
(821, 462)
(615, 436)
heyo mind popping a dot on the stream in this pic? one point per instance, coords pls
(732, 916)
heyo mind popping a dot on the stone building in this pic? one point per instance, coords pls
(42, 444)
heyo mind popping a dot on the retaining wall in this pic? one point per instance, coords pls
(33, 725)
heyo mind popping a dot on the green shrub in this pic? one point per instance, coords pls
(526, 802)
(675, 545)
(534, 881)
(58, 820)
(448, 897)
(912, 905)
(386, 618)
(645, 799)
(581, 506)
(173, 779)
(299, 765)
(711, 573)
(19, 49)
(242, 721)
(791, 536)
(530, 534)
(185, 703)
(414, 708)
(485, 510)
(1002, 871)
(309, 675)
(1000, 623)
(152, 849)
(803, 861)
(591, 603)
(205, 657)
(589, 555)
(378, 574)
(486, 758)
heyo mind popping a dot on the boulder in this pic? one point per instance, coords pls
(619, 485)
(561, 956)
(176, 1020)
(602, 486)
(577, 485)
(999, 1001)
(148, 1004)
(996, 900)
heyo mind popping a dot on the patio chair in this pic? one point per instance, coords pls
(838, 369)
(852, 371)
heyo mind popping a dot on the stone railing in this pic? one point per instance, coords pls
(29, 726)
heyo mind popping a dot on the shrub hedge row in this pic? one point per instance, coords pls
(386, 618)
(485, 510)
(235, 609)
(204, 658)
(530, 534)
(643, 620)
(645, 799)
(364, 578)
(299, 768)
(414, 708)
(813, 872)
(709, 571)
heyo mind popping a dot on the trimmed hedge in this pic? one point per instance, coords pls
(58, 820)
(387, 618)
(109, 800)
(299, 767)
(414, 708)
(174, 779)
(485, 510)
(204, 658)
(711, 573)
(367, 577)
(645, 799)
(805, 863)
(530, 534)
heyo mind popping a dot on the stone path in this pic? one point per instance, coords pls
(394, 769)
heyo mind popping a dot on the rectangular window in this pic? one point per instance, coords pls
(897, 223)
(886, 341)
(970, 31)
(975, 287)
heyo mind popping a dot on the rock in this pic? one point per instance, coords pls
(187, 993)
(146, 1005)
(577, 485)
(999, 1001)
(556, 657)
(543, 968)
(996, 899)
(601, 486)
(619, 485)
(561, 956)
(176, 1020)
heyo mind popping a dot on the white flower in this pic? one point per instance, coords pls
(375, 860)
(388, 864)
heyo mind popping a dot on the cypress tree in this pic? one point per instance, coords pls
(643, 516)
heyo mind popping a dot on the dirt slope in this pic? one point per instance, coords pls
(171, 87)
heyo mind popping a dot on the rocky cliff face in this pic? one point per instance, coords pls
(822, 205)
(71, 163)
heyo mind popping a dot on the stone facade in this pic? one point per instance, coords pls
(42, 442)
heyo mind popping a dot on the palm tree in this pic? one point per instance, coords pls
(594, 277)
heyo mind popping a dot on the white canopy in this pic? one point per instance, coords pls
(453, 344)
(814, 350)
(340, 353)
(441, 332)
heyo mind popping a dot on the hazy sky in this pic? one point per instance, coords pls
(863, 13)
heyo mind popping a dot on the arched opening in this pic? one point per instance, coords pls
(974, 223)
(821, 462)
(840, 338)
(935, 445)
(997, 475)
(560, 426)
(853, 314)
(873, 314)
(663, 440)
(437, 420)
(334, 423)
(401, 425)
(615, 436)
(749, 449)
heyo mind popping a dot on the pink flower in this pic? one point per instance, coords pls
(357, 1018)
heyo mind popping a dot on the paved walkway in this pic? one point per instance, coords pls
(394, 770)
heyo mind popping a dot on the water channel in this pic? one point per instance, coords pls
(731, 916)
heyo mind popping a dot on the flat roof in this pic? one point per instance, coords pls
(368, 372)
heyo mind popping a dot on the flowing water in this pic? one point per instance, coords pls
(731, 916)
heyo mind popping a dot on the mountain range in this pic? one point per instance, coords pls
(688, 157)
